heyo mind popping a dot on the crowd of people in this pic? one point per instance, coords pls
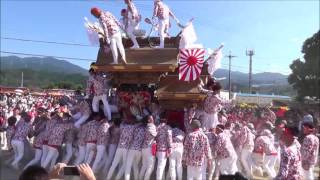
(216, 138)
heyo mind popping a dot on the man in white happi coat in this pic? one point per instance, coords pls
(163, 13)
(226, 155)
(247, 145)
(83, 111)
(23, 129)
(148, 149)
(103, 139)
(164, 145)
(266, 144)
(212, 105)
(175, 159)
(309, 150)
(99, 85)
(132, 23)
(126, 136)
(111, 27)
(197, 151)
(134, 152)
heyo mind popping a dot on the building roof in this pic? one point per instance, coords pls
(262, 95)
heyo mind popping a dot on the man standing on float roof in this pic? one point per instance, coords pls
(132, 24)
(111, 27)
(163, 13)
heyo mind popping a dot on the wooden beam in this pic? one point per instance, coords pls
(135, 68)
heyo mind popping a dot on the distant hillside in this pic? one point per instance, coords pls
(262, 83)
(47, 64)
(41, 73)
(266, 78)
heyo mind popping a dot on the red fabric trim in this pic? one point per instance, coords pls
(93, 142)
(154, 149)
(36, 147)
(257, 151)
(54, 146)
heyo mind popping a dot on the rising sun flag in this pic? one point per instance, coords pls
(191, 63)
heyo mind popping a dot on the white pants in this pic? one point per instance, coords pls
(36, 159)
(175, 166)
(133, 160)
(132, 25)
(77, 115)
(257, 162)
(106, 109)
(51, 157)
(54, 160)
(68, 155)
(228, 166)
(90, 151)
(306, 175)
(268, 164)
(277, 165)
(204, 169)
(115, 44)
(194, 173)
(4, 142)
(162, 160)
(212, 169)
(163, 25)
(81, 120)
(101, 152)
(111, 152)
(45, 149)
(210, 120)
(121, 155)
(81, 155)
(147, 164)
(18, 148)
(246, 160)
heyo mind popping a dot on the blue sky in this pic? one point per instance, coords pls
(274, 29)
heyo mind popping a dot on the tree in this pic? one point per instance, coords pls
(305, 76)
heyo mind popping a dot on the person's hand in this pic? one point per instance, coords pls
(86, 172)
(57, 171)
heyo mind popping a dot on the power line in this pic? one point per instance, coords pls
(40, 55)
(48, 42)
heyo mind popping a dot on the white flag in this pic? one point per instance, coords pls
(214, 60)
(93, 37)
(189, 37)
(93, 30)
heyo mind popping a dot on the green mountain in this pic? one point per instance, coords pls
(48, 64)
(41, 73)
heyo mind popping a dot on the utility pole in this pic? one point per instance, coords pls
(230, 57)
(250, 53)
(21, 85)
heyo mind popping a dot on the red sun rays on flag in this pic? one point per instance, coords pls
(191, 63)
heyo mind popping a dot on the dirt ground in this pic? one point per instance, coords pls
(8, 173)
